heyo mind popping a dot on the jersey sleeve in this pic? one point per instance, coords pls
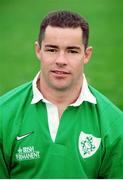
(4, 173)
(3, 167)
(112, 145)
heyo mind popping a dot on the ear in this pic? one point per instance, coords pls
(87, 55)
(37, 50)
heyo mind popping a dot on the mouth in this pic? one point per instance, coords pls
(60, 73)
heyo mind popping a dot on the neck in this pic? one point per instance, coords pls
(60, 98)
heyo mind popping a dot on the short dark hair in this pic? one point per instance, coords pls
(64, 19)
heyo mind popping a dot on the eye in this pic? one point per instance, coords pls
(51, 50)
(72, 51)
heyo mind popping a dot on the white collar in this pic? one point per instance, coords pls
(85, 94)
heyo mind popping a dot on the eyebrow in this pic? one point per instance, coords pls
(73, 47)
(54, 46)
(50, 46)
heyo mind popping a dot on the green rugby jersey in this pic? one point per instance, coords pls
(88, 144)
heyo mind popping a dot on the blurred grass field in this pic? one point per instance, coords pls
(19, 26)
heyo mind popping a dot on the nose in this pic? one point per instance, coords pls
(61, 60)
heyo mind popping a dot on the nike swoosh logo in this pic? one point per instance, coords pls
(23, 136)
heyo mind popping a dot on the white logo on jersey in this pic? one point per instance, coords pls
(21, 137)
(27, 153)
(88, 144)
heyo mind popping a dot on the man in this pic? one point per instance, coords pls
(58, 126)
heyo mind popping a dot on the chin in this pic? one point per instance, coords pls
(60, 87)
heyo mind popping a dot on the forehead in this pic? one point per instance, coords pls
(63, 35)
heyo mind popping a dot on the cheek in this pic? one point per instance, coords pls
(78, 69)
(77, 65)
(45, 65)
(46, 60)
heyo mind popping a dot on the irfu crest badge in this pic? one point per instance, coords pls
(88, 144)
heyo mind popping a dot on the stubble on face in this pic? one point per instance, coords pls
(57, 75)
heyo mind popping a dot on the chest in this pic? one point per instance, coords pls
(76, 144)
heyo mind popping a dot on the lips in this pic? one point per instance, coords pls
(58, 72)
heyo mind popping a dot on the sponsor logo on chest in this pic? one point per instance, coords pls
(27, 153)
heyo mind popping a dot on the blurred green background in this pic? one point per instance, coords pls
(19, 26)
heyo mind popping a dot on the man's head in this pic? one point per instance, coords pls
(62, 50)
(64, 19)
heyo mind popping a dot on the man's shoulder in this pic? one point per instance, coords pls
(103, 103)
(16, 94)
(109, 115)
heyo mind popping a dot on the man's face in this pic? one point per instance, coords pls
(62, 57)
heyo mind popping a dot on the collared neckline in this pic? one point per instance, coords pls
(85, 94)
